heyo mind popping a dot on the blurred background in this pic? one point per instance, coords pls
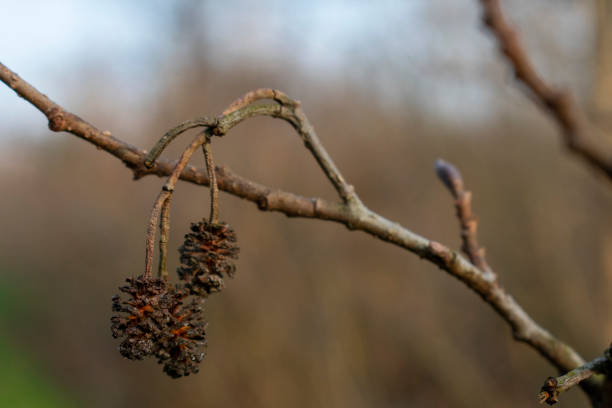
(317, 316)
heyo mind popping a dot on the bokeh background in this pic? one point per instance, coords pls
(317, 316)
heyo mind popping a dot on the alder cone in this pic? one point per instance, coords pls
(154, 322)
(181, 347)
(140, 318)
(207, 257)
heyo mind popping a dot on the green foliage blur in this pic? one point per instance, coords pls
(24, 383)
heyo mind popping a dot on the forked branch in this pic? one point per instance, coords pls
(450, 176)
(594, 370)
(163, 203)
(559, 104)
(349, 211)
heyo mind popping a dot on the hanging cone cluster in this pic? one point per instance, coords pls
(153, 318)
(153, 322)
(206, 257)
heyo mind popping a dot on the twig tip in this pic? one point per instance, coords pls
(549, 393)
(449, 175)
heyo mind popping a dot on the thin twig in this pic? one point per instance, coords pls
(287, 109)
(256, 95)
(558, 104)
(170, 135)
(164, 232)
(549, 393)
(290, 111)
(214, 188)
(451, 177)
(354, 217)
(164, 195)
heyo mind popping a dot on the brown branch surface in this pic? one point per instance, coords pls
(349, 212)
(549, 393)
(559, 104)
(163, 201)
(256, 95)
(451, 177)
(214, 188)
(164, 236)
(170, 135)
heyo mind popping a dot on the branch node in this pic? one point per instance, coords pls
(439, 254)
(262, 202)
(315, 205)
(218, 131)
(137, 171)
(57, 121)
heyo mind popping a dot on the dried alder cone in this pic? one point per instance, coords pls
(206, 257)
(154, 322)
(139, 319)
(181, 344)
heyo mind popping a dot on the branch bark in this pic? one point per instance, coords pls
(350, 211)
(163, 202)
(451, 177)
(559, 104)
(596, 371)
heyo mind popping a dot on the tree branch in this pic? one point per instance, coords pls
(289, 110)
(350, 212)
(451, 177)
(163, 202)
(549, 393)
(164, 236)
(558, 104)
(214, 188)
(170, 135)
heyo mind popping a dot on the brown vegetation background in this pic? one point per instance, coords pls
(317, 316)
